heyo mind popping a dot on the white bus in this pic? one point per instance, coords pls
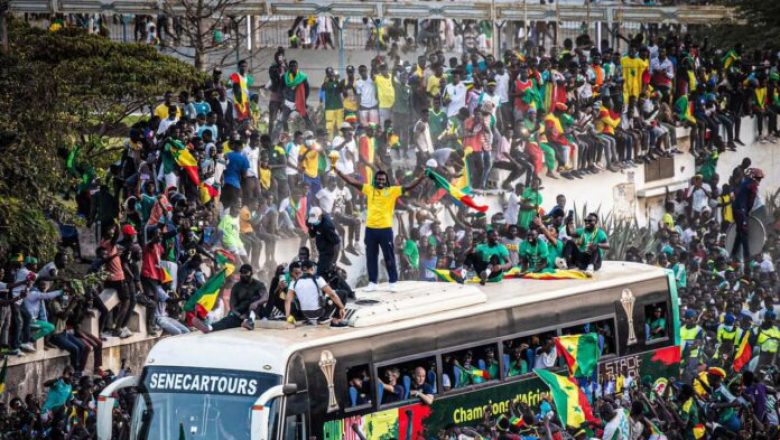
(324, 383)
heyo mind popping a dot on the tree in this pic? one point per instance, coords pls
(57, 90)
(758, 28)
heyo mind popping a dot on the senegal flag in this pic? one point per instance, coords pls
(744, 352)
(581, 353)
(204, 299)
(482, 374)
(683, 109)
(729, 58)
(188, 163)
(570, 402)
(3, 374)
(456, 193)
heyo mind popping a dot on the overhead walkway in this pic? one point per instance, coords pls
(408, 9)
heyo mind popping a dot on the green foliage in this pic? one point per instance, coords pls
(58, 89)
(759, 31)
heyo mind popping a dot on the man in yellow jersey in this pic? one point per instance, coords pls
(380, 204)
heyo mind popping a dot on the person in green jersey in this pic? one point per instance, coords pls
(529, 205)
(585, 250)
(533, 253)
(489, 259)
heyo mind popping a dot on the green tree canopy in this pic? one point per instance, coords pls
(57, 90)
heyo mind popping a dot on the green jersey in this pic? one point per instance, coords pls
(585, 238)
(333, 96)
(533, 253)
(487, 252)
(526, 216)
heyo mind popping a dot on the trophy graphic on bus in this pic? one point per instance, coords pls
(627, 299)
(328, 366)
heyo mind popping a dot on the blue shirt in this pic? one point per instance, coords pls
(202, 108)
(237, 165)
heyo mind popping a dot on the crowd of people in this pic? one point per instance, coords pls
(205, 181)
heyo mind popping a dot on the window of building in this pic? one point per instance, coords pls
(523, 354)
(604, 328)
(409, 380)
(470, 366)
(656, 322)
(358, 386)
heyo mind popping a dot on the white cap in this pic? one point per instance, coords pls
(315, 214)
(431, 163)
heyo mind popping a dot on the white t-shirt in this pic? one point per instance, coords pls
(457, 94)
(326, 198)
(367, 91)
(292, 160)
(422, 137)
(48, 271)
(698, 199)
(340, 198)
(502, 86)
(512, 207)
(253, 156)
(347, 155)
(307, 293)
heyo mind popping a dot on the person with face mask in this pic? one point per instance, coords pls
(247, 294)
(327, 240)
(380, 206)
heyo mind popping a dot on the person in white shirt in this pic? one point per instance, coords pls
(166, 123)
(345, 144)
(546, 355)
(422, 138)
(292, 148)
(310, 290)
(513, 203)
(324, 32)
(326, 196)
(455, 95)
(251, 185)
(502, 80)
(342, 215)
(368, 111)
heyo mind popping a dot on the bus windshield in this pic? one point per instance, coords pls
(198, 403)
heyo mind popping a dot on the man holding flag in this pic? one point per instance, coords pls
(245, 293)
(380, 207)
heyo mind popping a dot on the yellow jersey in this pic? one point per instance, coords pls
(380, 204)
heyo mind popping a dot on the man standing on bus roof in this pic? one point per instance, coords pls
(380, 204)
(585, 250)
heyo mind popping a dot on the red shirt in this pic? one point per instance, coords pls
(150, 265)
(113, 265)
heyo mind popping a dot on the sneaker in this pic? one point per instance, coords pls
(394, 287)
(105, 335)
(483, 278)
(248, 324)
(370, 288)
(125, 333)
(28, 348)
(589, 270)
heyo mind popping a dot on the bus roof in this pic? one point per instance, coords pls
(415, 304)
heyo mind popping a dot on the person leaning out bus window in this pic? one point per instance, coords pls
(393, 391)
(420, 388)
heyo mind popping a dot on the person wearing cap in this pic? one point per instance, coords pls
(691, 335)
(333, 97)
(727, 336)
(380, 207)
(721, 403)
(308, 164)
(656, 327)
(247, 292)
(744, 200)
(323, 231)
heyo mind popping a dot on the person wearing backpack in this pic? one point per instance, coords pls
(311, 291)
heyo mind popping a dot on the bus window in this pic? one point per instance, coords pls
(523, 354)
(655, 322)
(358, 386)
(471, 366)
(408, 381)
(605, 328)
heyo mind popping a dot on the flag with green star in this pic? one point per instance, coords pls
(581, 353)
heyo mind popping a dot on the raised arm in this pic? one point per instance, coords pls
(350, 181)
(414, 183)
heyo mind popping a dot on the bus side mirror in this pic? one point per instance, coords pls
(105, 406)
(261, 410)
(289, 389)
